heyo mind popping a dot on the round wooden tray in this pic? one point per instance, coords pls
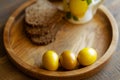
(100, 33)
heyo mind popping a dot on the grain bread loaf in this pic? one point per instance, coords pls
(41, 19)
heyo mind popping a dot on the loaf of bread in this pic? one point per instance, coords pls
(41, 19)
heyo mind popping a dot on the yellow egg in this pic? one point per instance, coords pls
(50, 60)
(68, 60)
(87, 56)
(78, 7)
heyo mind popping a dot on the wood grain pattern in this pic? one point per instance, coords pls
(5, 12)
(27, 56)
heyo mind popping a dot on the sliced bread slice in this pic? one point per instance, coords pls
(42, 40)
(40, 13)
(41, 19)
(40, 30)
(48, 38)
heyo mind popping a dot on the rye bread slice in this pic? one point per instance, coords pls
(41, 19)
(40, 30)
(36, 30)
(40, 13)
(48, 38)
(42, 40)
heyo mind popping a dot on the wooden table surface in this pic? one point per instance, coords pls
(9, 72)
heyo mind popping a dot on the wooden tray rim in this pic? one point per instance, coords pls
(33, 70)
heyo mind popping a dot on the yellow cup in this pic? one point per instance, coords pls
(92, 7)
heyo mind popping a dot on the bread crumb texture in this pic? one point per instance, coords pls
(40, 13)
